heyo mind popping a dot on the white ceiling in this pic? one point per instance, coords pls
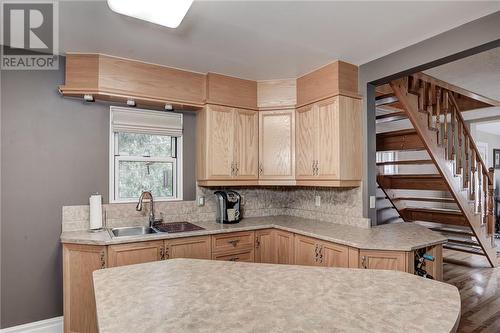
(263, 39)
(479, 73)
(489, 127)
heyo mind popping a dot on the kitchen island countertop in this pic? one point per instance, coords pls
(186, 295)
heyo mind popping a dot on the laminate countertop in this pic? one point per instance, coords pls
(394, 237)
(186, 295)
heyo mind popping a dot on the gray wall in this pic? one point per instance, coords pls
(454, 44)
(54, 152)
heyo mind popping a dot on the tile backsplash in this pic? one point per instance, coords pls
(342, 206)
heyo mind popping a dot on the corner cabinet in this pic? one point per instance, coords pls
(227, 146)
(328, 143)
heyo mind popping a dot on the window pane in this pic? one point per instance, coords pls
(135, 177)
(135, 144)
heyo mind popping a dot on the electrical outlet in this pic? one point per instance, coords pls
(242, 200)
(317, 201)
(372, 201)
(201, 201)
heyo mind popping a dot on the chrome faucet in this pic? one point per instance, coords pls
(152, 219)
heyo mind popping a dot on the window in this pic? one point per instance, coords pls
(145, 154)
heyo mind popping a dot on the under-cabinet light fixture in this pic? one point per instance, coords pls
(130, 102)
(169, 107)
(88, 98)
(168, 13)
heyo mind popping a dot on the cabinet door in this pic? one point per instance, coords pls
(329, 141)
(306, 251)
(79, 261)
(233, 241)
(334, 255)
(391, 260)
(246, 131)
(220, 145)
(277, 144)
(190, 247)
(306, 140)
(264, 246)
(284, 247)
(135, 253)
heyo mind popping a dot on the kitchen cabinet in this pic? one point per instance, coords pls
(277, 146)
(283, 247)
(313, 252)
(79, 262)
(246, 148)
(390, 260)
(265, 246)
(135, 253)
(189, 247)
(328, 136)
(227, 146)
(240, 256)
(233, 241)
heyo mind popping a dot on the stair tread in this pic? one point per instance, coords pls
(463, 248)
(429, 175)
(432, 209)
(402, 162)
(463, 241)
(448, 230)
(408, 131)
(429, 199)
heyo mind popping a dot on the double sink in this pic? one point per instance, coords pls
(171, 227)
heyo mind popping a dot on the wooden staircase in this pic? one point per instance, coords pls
(433, 110)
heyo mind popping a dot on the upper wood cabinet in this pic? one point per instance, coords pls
(277, 145)
(231, 91)
(227, 145)
(118, 79)
(276, 94)
(328, 136)
(135, 253)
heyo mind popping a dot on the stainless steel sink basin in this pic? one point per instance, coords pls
(131, 231)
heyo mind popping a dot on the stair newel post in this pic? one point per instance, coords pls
(490, 219)
(438, 114)
(473, 177)
(452, 150)
(466, 167)
(445, 112)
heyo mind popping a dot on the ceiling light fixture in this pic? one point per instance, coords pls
(168, 13)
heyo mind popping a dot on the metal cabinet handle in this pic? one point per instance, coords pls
(232, 168)
(102, 258)
(316, 254)
(363, 262)
(234, 258)
(257, 242)
(317, 167)
(237, 170)
(261, 169)
(234, 242)
(320, 254)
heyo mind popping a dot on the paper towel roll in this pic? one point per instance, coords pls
(95, 211)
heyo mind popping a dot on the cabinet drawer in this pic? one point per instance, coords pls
(242, 256)
(233, 241)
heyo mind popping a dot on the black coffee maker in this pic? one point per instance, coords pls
(228, 206)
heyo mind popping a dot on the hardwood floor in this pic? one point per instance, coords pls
(479, 287)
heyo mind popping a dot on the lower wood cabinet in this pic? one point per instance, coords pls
(391, 260)
(135, 253)
(190, 247)
(247, 255)
(283, 247)
(265, 246)
(313, 252)
(79, 262)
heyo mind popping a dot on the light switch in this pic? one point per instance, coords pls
(201, 201)
(372, 201)
(317, 201)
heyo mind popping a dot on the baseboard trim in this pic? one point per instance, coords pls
(52, 325)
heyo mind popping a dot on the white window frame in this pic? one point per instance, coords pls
(114, 164)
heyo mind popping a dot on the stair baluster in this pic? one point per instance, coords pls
(490, 219)
(445, 111)
(438, 115)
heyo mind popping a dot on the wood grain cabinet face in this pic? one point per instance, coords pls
(306, 138)
(135, 253)
(233, 241)
(79, 261)
(334, 255)
(390, 260)
(277, 145)
(220, 142)
(265, 246)
(328, 139)
(246, 154)
(190, 247)
(306, 251)
(313, 252)
(284, 245)
(240, 256)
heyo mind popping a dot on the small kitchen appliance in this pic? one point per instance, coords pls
(228, 206)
